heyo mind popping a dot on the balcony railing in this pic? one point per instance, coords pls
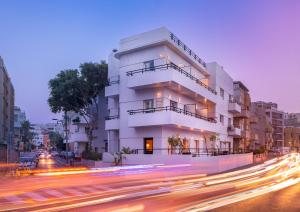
(112, 117)
(187, 49)
(175, 67)
(113, 80)
(174, 109)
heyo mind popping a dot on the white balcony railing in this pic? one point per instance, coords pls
(234, 107)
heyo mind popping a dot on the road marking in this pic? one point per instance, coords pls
(54, 193)
(35, 196)
(73, 191)
(14, 199)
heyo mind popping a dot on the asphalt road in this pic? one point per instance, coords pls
(154, 188)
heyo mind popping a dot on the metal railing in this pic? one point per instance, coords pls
(174, 109)
(195, 152)
(187, 49)
(112, 117)
(113, 80)
(175, 67)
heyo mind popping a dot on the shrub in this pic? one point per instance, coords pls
(91, 155)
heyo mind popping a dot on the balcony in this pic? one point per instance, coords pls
(113, 87)
(234, 132)
(112, 122)
(245, 134)
(78, 137)
(234, 107)
(243, 114)
(171, 116)
(169, 75)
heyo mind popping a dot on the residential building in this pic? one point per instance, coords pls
(261, 131)
(292, 120)
(276, 119)
(19, 119)
(242, 97)
(292, 137)
(78, 129)
(38, 134)
(6, 110)
(159, 88)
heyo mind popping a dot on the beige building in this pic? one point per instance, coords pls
(6, 106)
(276, 119)
(241, 120)
(261, 131)
(292, 137)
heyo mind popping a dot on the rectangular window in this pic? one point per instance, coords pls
(229, 122)
(222, 92)
(186, 146)
(148, 145)
(149, 65)
(222, 119)
(173, 105)
(149, 103)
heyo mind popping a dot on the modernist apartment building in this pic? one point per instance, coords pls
(19, 118)
(276, 119)
(7, 97)
(292, 120)
(242, 96)
(261, 130)
(159, 88)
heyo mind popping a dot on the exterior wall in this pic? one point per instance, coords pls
(260, 128)
(194, 85)
(6, 106)
(242, 96)
(19, 118)
(276, 119)
(292, 137)
(292, 120)
(205, 164)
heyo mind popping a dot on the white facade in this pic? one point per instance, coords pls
(38, 136)
(159, 88)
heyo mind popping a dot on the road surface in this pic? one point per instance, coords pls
(153, 188)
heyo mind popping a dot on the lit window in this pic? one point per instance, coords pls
(148, 145)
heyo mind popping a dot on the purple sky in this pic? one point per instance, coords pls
(257, 41)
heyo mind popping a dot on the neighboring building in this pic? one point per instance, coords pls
(292, 120)
(159, 88)
(38, 135)
(19, 119)
(242, 96)
(276, 119)
(77, 129)
(292, 137)
(6, 106)
(261, 131)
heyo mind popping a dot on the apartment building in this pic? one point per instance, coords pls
(78, 129)
(19, 118)
(276, 119)
(242, 97)
(292, 120)
(159, 89)
(261, 131)
(292, 137)
(6, 106)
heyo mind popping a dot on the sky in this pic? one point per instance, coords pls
(256, 41)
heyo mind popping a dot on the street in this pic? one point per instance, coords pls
(153, 188)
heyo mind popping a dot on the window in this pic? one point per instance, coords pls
(186, 146)
(173, 105)
(149, 65)
(222, 119)
(229, 122)
(149, 103)
(197, 146)
(148, 145)
(222, 92)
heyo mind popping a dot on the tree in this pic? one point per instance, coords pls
(26, 135)
(56, 140)
(78, 90)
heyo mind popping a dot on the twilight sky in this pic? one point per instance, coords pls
(257, 41)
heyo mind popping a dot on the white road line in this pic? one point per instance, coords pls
(54, 193)
(35, 196)
(73, 191)
(14, 199)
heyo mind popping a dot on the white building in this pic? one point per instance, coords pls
(160, 88)
(38, 136)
